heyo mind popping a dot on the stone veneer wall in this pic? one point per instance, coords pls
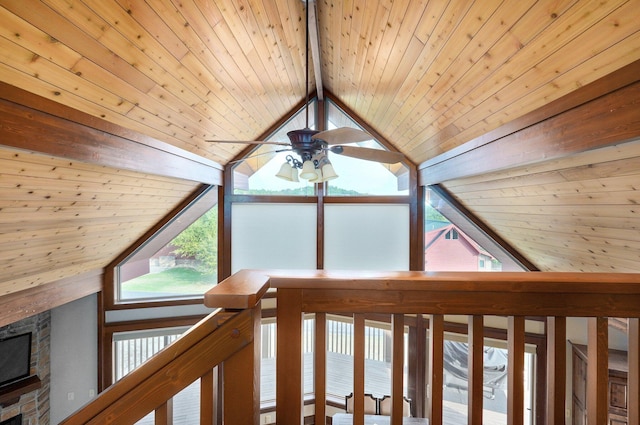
(34, 406)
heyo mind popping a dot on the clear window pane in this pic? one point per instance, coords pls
(357, 177)
(263, 181)
(186, 266)
(456, 381)
(131, 349)
(453, 243)
(256, 173)
(377, 354)
(268, 360)
(361, 177)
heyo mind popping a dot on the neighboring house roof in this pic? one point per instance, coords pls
(433, 236)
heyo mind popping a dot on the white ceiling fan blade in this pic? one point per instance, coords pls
(343, 135)
(250, 142)
(378, 155)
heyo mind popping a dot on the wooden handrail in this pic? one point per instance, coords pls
(242, 290)
(512, 294)
(231, 339)
(209, 343)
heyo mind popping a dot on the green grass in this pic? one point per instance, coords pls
(180, 280)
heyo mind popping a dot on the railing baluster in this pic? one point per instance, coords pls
(207, 398)
(164, 413)
(436, 368)
(289, 388)
(597, 370)
(475, 374)
(556, 369)
(321, 367)
(236, 342)
(633, 377)
(358, 369)
(417, 365)
(397, 367)
(515, 377)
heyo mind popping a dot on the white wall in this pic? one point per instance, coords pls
(74, 356)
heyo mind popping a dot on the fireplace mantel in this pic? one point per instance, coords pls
(11, 393)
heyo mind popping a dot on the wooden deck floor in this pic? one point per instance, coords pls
(339, 383)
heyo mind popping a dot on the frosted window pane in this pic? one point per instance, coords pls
(366, 237)
(273, 236)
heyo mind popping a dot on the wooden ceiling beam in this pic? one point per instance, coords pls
(32, 122)
(314, 43)
(599, 114)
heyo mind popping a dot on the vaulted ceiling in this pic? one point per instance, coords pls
(431, 77)
(426, 75)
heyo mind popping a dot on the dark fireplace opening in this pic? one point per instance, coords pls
(16, 420)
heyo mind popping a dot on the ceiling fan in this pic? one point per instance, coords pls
(313, 146)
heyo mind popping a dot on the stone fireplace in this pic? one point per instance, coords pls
(16, 420)
(32, 408)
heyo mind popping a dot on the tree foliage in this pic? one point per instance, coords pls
(433, 214)
(200, 240)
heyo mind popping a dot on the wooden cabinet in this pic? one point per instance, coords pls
(617, 387)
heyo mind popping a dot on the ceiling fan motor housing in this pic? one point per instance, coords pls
(303, 143)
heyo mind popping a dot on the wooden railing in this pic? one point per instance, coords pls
(235, 344)
(227, 339)
(555, 296)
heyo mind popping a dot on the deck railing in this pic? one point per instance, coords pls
(235, 344)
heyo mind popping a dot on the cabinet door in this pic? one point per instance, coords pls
(617, 393)
(617, 420)
(579, 379)
(579, 414)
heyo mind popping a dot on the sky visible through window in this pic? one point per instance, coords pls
(365, 177)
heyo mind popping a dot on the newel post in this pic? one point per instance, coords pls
(241, 371)
(241, 381)
(289, 386)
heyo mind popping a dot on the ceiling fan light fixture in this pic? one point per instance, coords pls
(328, 173)
(294, 175)
(319, 178)
(326, 169)
(286, 172)
(308, 171)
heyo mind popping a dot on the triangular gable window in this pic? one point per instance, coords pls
(256, 174)
(454, 243)
(360, 177)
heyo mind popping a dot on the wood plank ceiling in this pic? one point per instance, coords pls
(427, 75)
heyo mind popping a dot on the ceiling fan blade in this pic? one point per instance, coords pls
(250, 142)
(273, 152)
(343, 135)
(378, 155)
